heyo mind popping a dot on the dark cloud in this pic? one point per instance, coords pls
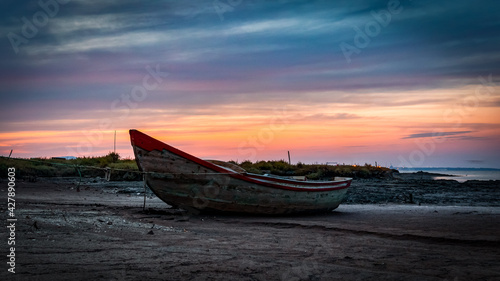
(467, 138)
(424, 41)
(435, 134)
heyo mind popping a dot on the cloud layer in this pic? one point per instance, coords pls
(419, 63)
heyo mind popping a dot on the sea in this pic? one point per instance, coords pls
(458, 174)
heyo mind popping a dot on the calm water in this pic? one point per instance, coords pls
(460, 174)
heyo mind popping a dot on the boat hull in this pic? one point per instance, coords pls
(184, 181)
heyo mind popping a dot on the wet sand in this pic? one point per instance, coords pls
(102, 233)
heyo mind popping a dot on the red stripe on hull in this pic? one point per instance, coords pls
(148, 143)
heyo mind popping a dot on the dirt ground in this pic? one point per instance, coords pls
(101, 232)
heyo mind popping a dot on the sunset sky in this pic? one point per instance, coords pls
(403, 83)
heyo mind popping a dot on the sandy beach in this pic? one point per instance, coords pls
(99, 231)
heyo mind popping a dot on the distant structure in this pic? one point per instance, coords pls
(64, 158)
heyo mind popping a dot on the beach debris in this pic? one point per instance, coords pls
(183, 218)
(126, 190)
(151, 232)
(380, 264)
(34, 225)
(406, 198)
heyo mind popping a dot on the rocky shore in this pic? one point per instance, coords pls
(421, 188)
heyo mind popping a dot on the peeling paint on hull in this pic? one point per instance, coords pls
(184, 181)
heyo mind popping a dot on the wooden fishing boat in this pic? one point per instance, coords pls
(185, 181)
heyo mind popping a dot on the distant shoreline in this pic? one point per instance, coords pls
(422, 173)
(458, 174)
(444, 168)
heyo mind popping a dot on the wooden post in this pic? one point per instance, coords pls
(10, 152)
(289, 161)
(144, 180)
(107, 174)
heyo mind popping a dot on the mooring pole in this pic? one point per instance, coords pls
(144, 181)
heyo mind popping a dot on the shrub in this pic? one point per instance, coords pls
(315, 171)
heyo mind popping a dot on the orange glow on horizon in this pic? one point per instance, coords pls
(378, 126)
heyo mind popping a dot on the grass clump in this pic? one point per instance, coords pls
(83, 166)
(315, 171)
